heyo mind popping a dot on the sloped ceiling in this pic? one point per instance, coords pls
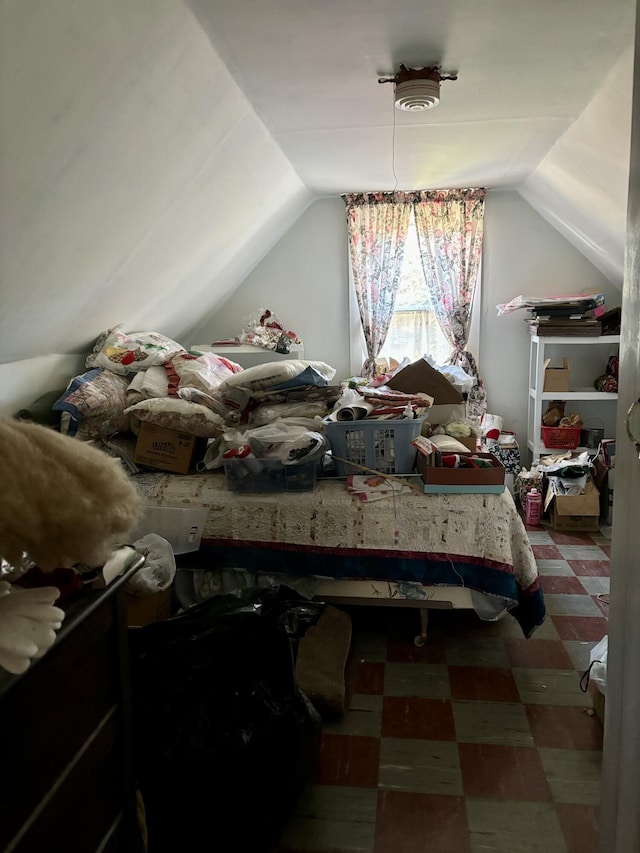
(581, 185)
(130, 164)
(153, 151)
(542, 102)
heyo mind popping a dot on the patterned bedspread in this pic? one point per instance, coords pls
(477, 541)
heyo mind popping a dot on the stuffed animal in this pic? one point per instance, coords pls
(28, 624)
(62, 501)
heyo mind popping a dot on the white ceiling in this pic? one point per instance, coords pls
(526, 71)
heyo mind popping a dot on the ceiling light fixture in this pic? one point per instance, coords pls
(417, 89)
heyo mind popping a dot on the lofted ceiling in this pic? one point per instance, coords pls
(154, 151)
(526, 71)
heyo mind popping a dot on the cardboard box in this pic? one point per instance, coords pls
(419, 376)
(556, 378)
(168, 449)
(462, 480)
(599, 702)
(577, 512)
(440, 414)
(145, 609)
(470, 443)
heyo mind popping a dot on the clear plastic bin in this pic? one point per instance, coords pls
(269, 475)
(182, 526)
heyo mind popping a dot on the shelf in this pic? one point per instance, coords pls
(582, 366)
(575, 339)
(551, 451)
(243, 349)
(578, 394)
(249, 356)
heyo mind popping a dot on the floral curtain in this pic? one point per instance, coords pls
(449, 224)
(377, 227)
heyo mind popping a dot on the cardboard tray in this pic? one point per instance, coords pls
(462, 480)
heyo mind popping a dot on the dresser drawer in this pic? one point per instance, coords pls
(77, 814)
(51, 711)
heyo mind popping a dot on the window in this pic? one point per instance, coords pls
(414, 329)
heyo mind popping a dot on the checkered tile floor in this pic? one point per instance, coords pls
(479, 741)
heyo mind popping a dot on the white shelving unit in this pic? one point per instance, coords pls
(587, 360)
(248, 356)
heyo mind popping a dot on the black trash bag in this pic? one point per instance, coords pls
(224, 740)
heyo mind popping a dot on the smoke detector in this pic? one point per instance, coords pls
(417, 89)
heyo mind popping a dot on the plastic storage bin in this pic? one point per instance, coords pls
(384, 445)
(269, 475)
(182, 526)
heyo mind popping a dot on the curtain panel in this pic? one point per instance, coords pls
(377, 226)
(450, 231)
(449, 224)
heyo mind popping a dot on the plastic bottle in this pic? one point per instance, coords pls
(533, 508)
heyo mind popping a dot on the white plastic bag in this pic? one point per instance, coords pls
(460, 380)
(289, 439)
(598, 664)
(159, 567)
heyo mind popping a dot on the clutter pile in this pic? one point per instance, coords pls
(148, 401)
(570, 494)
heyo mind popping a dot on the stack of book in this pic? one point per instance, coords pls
(574, 316)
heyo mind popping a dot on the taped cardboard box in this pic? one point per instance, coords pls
(556, 378)
(577, 512)
(462, 480)
(168, 449)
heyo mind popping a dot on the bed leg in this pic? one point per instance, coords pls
(421, 638)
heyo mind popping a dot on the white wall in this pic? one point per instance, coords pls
(304, 280)
(523, 255)
(137, 184)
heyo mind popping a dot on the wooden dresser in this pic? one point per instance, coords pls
(65, 736)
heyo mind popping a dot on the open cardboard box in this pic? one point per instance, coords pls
(418, 377)
(556, 378)
(577, 512)
(462, 480)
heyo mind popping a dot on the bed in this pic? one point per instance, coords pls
(413, 550)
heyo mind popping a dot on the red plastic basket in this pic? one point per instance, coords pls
(561, 438)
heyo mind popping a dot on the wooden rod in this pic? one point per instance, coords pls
(379, 474)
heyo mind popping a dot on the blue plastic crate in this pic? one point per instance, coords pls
(383, 445)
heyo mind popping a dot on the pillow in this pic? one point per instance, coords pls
(205, 372)
(127, 353)
(182, 415)
(448, 444)
(94, 426)
(152, 382)
(280, 374)
(97, 393)
(269, 412)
